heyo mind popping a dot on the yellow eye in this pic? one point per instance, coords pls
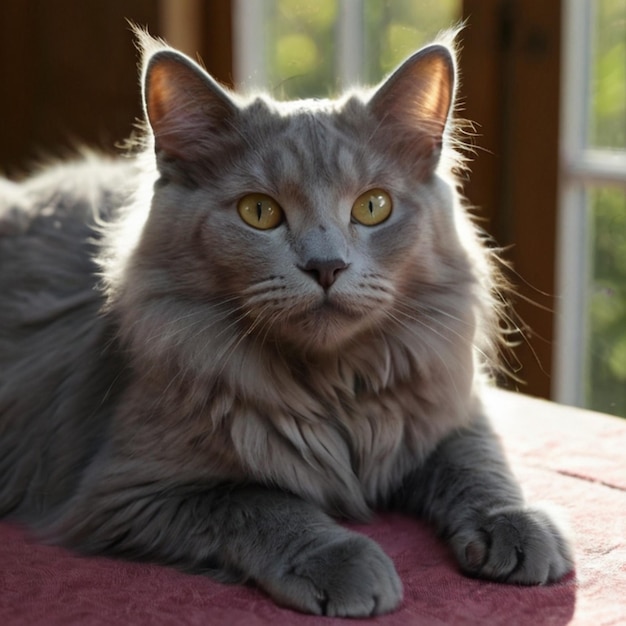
(260, 211)
(372, 207)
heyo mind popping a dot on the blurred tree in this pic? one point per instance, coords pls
(301, 35)
(606, 350)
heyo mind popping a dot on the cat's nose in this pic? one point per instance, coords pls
(324, 271)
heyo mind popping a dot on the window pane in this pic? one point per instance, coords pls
(300, 47)
(395, 29)
(606, 361)
(608, 88)
(300, 40)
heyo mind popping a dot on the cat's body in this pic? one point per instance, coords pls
(180, 381)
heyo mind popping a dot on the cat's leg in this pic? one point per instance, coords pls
(288, 547)
(466, 489)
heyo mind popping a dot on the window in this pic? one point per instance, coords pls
(591, 323)
(314, 48)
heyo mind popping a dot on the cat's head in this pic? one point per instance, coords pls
(312, 222)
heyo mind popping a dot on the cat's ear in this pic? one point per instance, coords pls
(416, 99)
(185, 107)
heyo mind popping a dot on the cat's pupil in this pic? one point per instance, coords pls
(259, 210)
(370, 205)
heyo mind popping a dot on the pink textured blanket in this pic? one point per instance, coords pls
(573, 458)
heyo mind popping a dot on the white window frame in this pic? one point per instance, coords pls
(581, 168)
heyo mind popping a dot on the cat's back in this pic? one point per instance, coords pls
(50, 231)
(50, 226)
(83, 191)
(54, 360)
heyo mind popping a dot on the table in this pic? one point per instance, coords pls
(574, 458)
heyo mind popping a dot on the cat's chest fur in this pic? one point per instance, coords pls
(321, 431)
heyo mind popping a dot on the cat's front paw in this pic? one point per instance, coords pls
(347, 577)
(515, 545)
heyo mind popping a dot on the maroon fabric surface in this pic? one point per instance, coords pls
(573, 458)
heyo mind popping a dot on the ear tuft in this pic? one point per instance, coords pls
(418, 96)
(184, 105)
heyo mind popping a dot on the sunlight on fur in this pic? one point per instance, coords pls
(265, 316)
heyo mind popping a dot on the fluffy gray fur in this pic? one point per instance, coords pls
(179, 386)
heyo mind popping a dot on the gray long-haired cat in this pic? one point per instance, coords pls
(270, 317)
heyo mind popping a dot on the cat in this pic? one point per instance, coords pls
(268, 317)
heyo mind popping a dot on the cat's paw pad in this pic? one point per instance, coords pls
(349, 577)
(515, 545)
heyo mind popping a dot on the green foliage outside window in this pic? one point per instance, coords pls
(606, 362)
(301, 48)
(395, 29)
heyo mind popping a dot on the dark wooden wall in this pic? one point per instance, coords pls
(511, 66)
(216, 37)
(68, 72)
